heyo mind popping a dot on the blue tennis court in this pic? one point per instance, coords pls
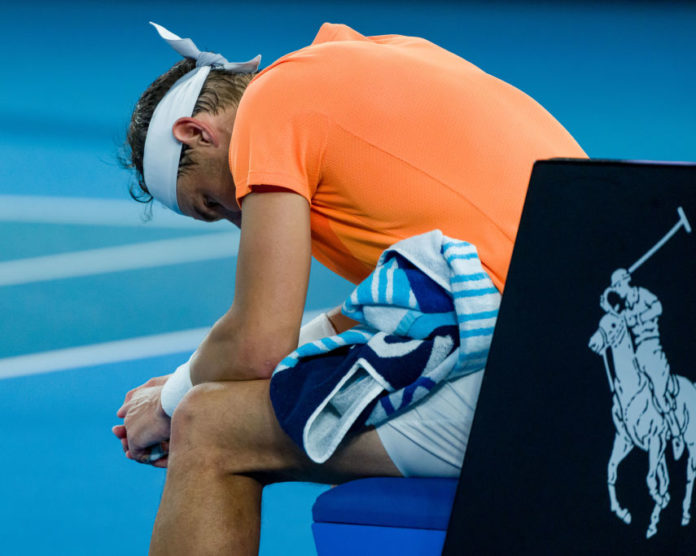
(95, 299)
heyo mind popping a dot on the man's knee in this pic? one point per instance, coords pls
(199, 424)
(194, 406)
(217, 425)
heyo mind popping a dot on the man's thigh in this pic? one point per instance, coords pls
(232, 427)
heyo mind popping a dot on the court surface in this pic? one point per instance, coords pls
(94, 300)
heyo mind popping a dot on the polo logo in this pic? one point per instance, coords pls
(651, 406)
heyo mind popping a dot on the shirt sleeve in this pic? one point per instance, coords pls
(648, 297)
(279, 134)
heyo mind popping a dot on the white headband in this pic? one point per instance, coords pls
(162, 150)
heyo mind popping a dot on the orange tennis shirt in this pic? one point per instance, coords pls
(392, 136)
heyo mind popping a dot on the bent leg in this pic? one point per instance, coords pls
(226, 444)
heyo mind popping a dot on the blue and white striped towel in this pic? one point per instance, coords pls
(426, 315)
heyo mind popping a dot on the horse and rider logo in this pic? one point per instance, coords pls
(651, 406)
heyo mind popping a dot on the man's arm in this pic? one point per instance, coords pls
(339, 321)
(262, 326)
(326, 324)
(653, 307)
(647, 308)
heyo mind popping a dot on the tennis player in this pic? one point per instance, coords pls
(336, 151)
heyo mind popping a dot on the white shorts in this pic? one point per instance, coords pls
(429, 439)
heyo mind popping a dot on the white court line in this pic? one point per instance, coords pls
(114, 259)
(110, 352)
(95, 212)
(101, 354)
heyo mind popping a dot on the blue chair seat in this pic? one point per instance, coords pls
(382, 516)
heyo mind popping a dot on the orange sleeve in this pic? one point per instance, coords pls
(278, 137)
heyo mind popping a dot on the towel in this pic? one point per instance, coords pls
(426, 315)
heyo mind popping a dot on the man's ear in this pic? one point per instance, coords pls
(193, 132)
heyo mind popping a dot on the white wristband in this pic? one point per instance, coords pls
(176, 388)
(316, 329)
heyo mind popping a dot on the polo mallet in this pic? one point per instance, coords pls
(683, 221)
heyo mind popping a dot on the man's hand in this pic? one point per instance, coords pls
(596, 343)
(145, 423)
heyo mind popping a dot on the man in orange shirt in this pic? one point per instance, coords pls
(338, 150)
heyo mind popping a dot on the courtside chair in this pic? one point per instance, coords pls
(383, 516)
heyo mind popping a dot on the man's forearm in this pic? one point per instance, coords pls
(232, 351)
(229, 353)
(216, 359)
(654, 311)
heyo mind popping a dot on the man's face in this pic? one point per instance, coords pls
(206, 191)
(623, 287)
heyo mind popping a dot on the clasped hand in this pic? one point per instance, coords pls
(145, 424)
